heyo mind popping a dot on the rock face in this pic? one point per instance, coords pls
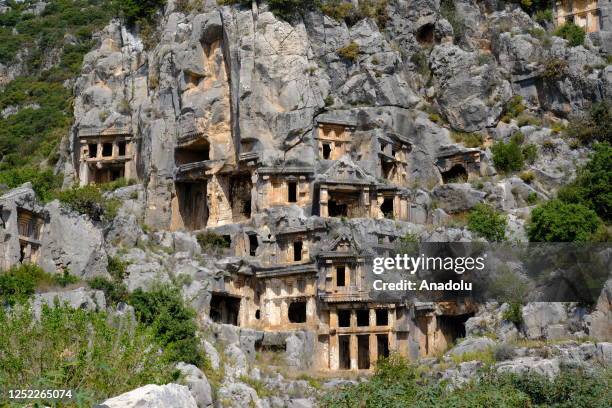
(472, 345)
(80, 298)
(539, 316)
(153, 396)
(197, 383)
(49, 235)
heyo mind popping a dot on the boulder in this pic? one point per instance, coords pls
(80, 298)
(197, 383)
(537, 316)
(153, 396)
(547, 367)
(457, 197)
(472, 345)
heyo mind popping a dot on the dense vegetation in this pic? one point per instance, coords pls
(487, 222)
(172, 321)
(21, 281)
(88, 352)
(50, 48)
(90, 201)
(396, 383)
(558, 221)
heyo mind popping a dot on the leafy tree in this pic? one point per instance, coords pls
(572, 33)
(135, 10)
(507, 157)
(88, 200)
(172, 321)
(557, 221)
(593, 184)
(484, 220)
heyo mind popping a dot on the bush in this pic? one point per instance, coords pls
(513, 108)
(448, 10)
(137, 10)
(468, 139)
(338, 10)
(88, 200)
(419, 59)
(507, 157)
(527, 176)
(114, 291)
(20, 282)
(557, 221)
(592, 126)
(172, 321)
(349, 52)
(572, 33)
(80, 350)
(530, 153)
(543, 16)
(209, 241)
(398, 384)
(44, 182)
(487, 222)
(514, 313)
(554, 68)
(593, 184)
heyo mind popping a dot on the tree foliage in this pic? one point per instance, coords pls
(484, 220)
(557, 221)
(88, 352)
(172, 321)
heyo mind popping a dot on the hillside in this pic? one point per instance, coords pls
(208, 183)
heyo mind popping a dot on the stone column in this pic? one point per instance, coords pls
(353, 349)
(323, 197)
(372, 317)
(373, 350)
(392, 335)
(334, 358)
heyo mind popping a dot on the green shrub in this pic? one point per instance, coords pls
(543, 16)
(527, 176)
(532, 198)
(349, 52)
(44, 182)
(449, 12)
(210, 240)
(554, 68)
(572, 33)
(117, 268)
(137, 10)
(80, 350)
(338, 10)
(65, 278)
(114, 291)
(117, 184)
(468, 139)
(530, 153)
(592, 126)
(88, 200)
(593, 184)
(514, 313)
(557, 221)
(20, 282)
(329, 100)
(507, 157)
(172, 321)
(487, 222)
(513, 108)
(399, 384)
(419, 59)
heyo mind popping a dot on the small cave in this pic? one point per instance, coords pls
(192, 154)
(387, 207)
(297, 251)
(192, 205)
(224, 309)
(240, 196)
(340, 276)
(344, 204)
(297, 312)
(253, 244)
(386, 168)
(453, 326)
(425, 34)
(457, 174)
(326, 151)
(92, 150)
(292, 192)
(107, 149)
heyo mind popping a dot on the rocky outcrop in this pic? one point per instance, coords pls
(153, 396)
(81, 298)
